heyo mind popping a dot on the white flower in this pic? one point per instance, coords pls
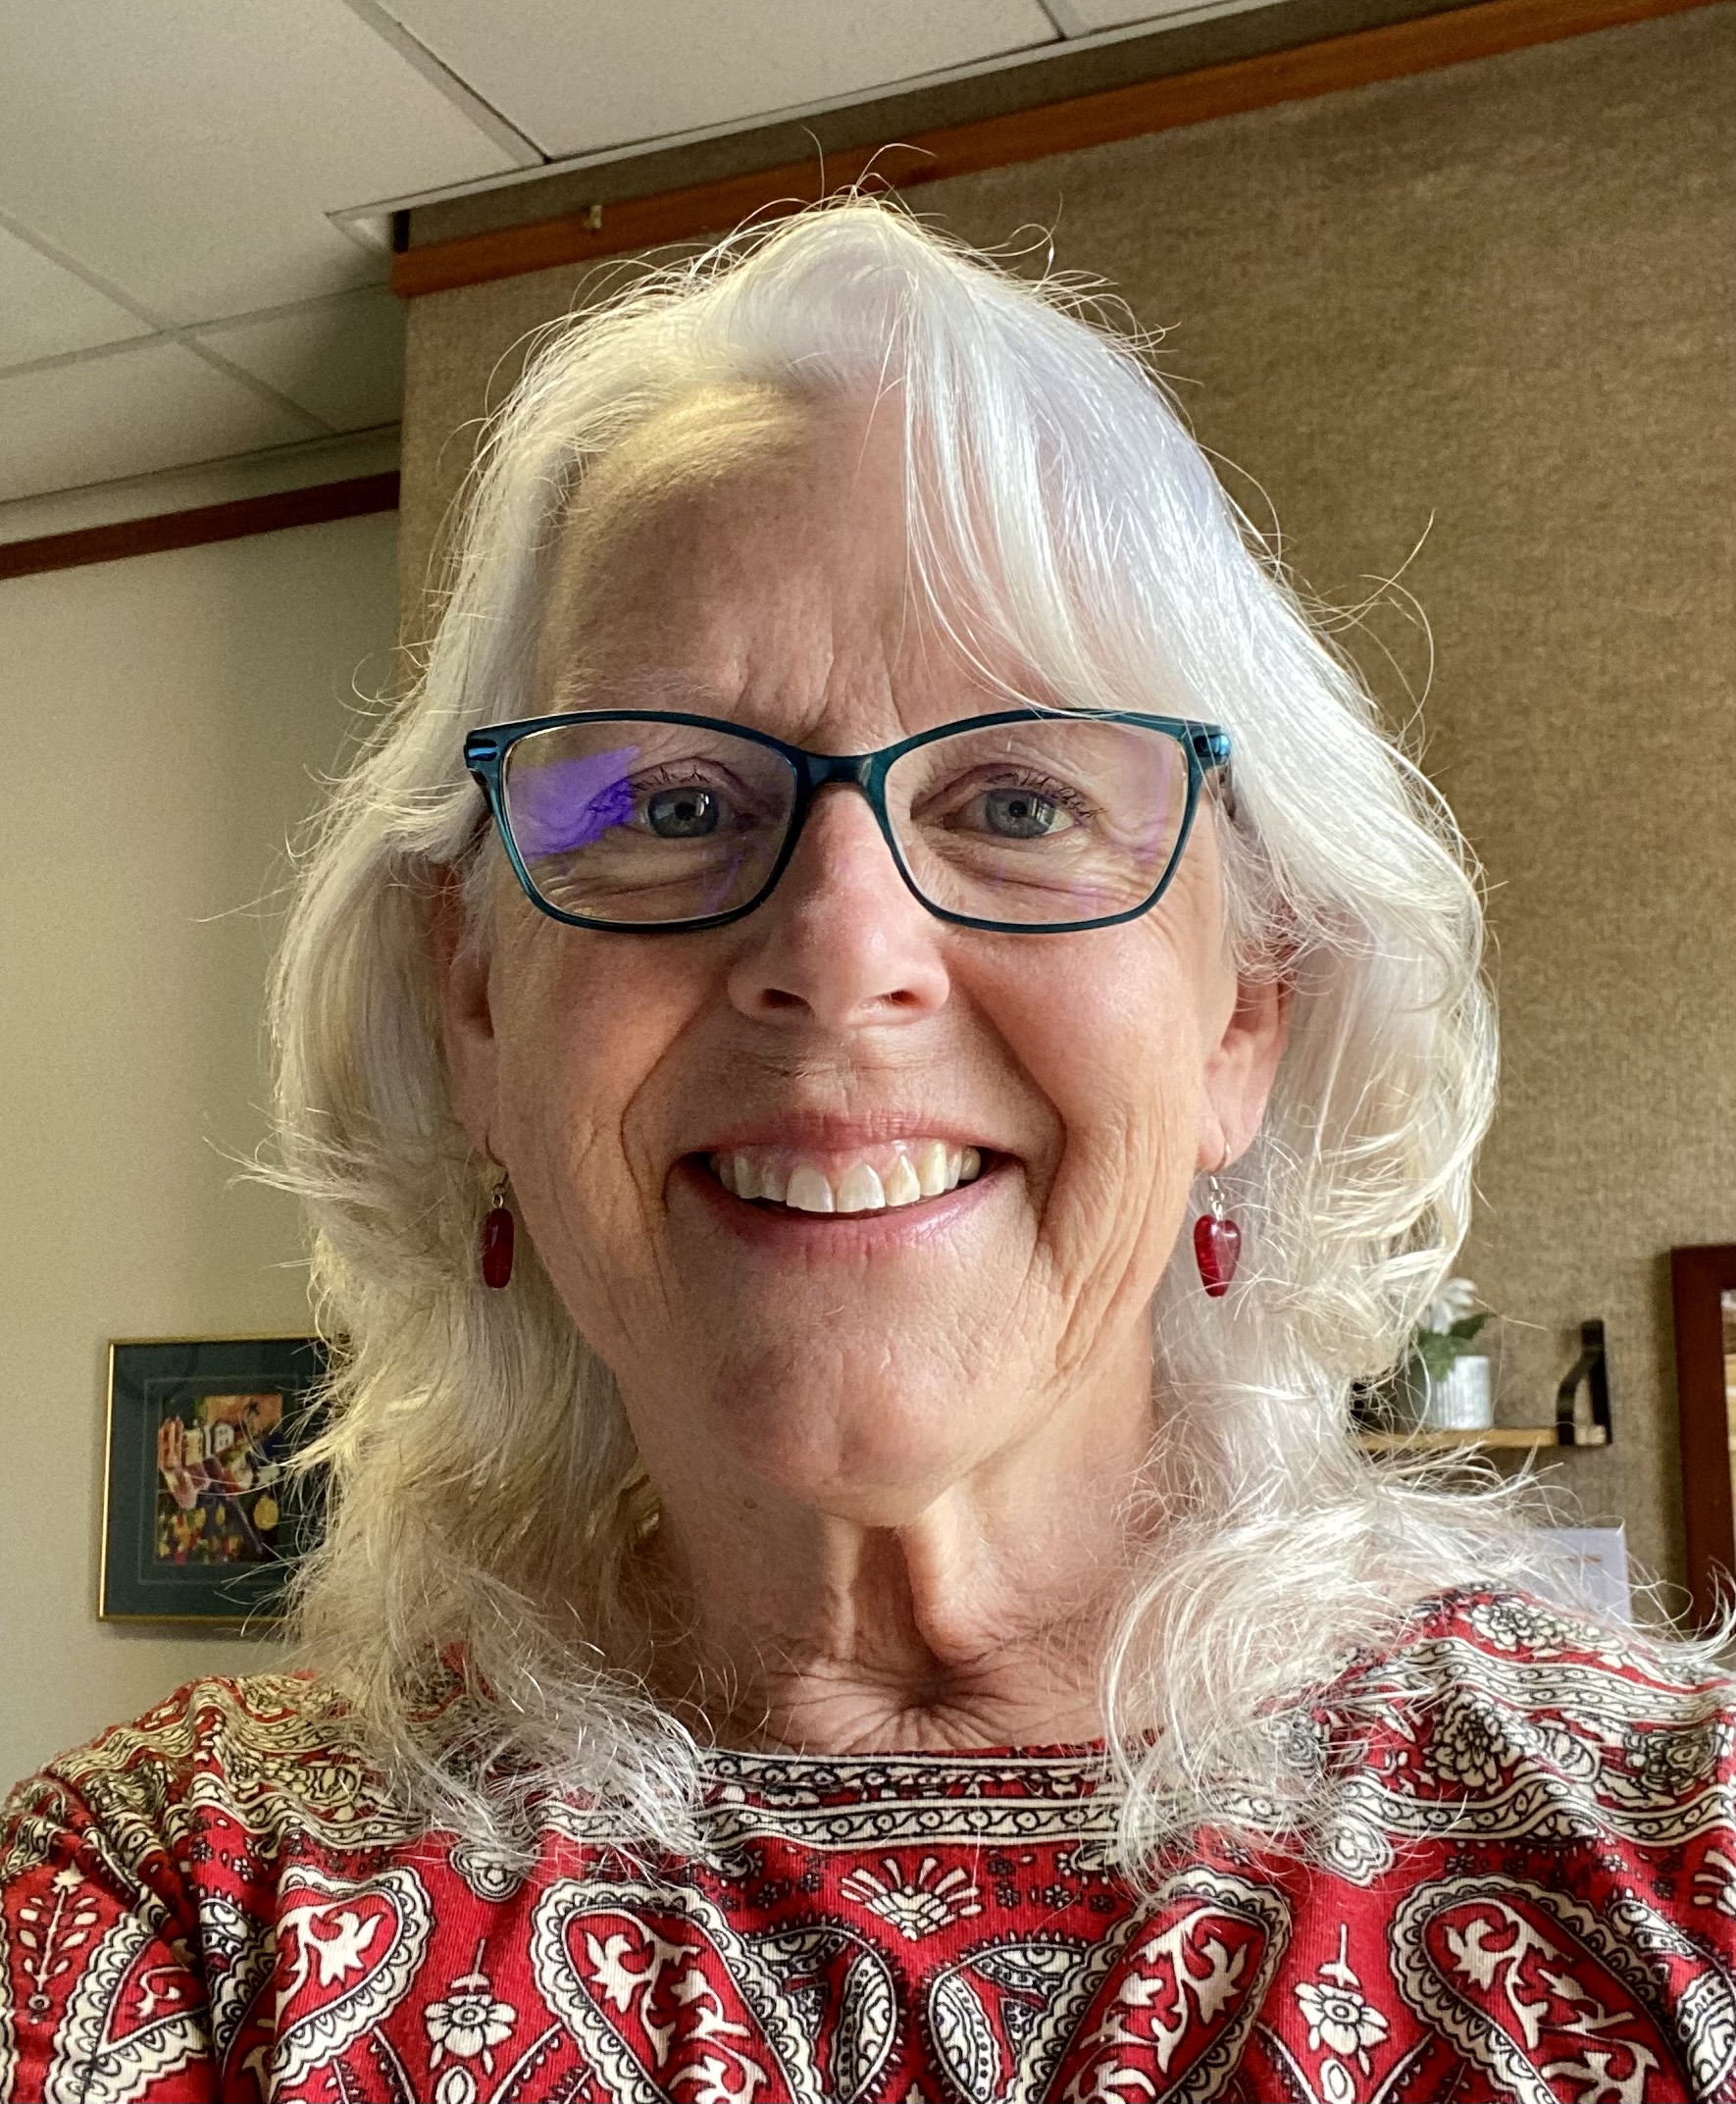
(1457, 1298)
(1471, 1744)
(488, 1874)
(470, 2020)
(1669, 1763)
(1343, 2019)
(1517, 1625)
(914, 1906)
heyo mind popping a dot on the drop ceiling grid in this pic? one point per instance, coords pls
(580, 81)
(155, 407)
(168, 266)
(46, 310)
(195, 169)
(173, 285)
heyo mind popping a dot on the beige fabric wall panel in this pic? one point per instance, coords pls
(170, 718)
(1484, 315)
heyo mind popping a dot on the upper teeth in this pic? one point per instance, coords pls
(910, 1170)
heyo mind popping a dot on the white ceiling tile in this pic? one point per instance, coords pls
(576, 80)
(342, 359)
(1091, 15)
(46, 310)
(207, 482)
(154, 406)
(187, 150)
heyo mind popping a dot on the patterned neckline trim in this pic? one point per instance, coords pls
(792, 1781)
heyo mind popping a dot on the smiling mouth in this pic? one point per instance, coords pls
(878, 1180)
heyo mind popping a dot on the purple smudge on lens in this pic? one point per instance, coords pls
(722, 894)
(570, 803)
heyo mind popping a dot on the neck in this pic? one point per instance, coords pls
(977, 1620)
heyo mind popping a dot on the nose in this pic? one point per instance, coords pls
(842, 942)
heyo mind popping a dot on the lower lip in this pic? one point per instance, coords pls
(837, 1234)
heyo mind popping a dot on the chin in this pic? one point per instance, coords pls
(875, 1459)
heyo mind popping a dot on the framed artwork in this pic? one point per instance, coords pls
(1703, 1286)
(202, 1521)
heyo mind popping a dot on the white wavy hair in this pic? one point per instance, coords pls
(488, 1493)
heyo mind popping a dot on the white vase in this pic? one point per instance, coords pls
(1461, 1399)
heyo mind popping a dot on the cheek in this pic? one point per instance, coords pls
(1113, 1042)
(582, 1035)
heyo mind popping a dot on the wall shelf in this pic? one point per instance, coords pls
(1572, 1427)
(1531, 1436)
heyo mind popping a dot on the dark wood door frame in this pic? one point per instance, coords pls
(1699, 1277)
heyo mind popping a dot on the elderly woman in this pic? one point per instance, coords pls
(872, 1053)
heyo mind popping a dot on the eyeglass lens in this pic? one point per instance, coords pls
(1051, 820)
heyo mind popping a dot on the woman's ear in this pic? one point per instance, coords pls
(461, 957)
(1241, 1068)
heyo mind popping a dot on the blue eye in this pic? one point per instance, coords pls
(1022, 815)
(683, 814)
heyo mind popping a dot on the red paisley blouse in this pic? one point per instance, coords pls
(1528, 1890)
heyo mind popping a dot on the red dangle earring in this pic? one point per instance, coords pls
(498, 1239)
(1218, 1242)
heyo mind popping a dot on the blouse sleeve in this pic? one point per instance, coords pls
(101, 1995)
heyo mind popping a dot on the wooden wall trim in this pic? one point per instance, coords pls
(1419, 45)
(203, 523)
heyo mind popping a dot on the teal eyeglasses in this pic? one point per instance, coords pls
(637, 822)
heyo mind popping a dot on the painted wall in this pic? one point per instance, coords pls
(1485, 315)
(166, 720)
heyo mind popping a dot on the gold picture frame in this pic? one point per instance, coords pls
(203, 1517)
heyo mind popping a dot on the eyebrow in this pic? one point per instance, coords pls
(643, 687)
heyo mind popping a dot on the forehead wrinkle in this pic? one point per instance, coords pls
(789, 629)
(582, 687)
(881, 685)
(665, 466)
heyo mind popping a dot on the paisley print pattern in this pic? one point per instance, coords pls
(1527, 1890)
(132, 2016)
(1537, 1989)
